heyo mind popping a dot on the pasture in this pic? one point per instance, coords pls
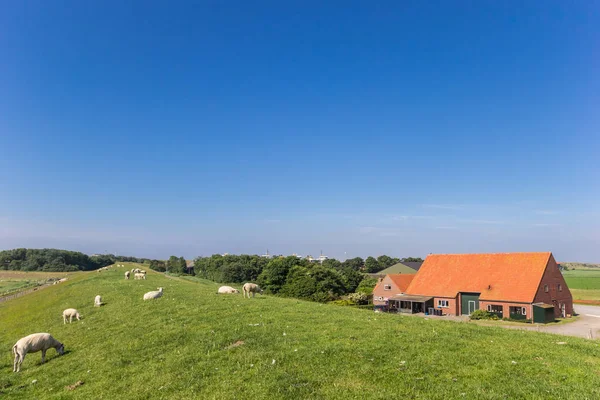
(14, 281)
(193, 343)
(584, 284)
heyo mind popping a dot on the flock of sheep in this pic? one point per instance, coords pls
(44, 341)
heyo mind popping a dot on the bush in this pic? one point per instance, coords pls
(358, 298)
(367, 285)
(483, 314)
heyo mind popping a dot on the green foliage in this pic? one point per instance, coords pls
(386, 261)
(356, 263)
(50, 260)
(483, 314)
(412, 259)
(313, 282)
(358, 298)
(372, 265)
(367, 285)
(275, 273)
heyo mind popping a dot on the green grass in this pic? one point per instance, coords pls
(15, 281)
(179, 347)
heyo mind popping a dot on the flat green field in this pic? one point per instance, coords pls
(14, 281)
(195, 344)
(583, 279)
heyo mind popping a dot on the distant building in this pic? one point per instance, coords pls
(267, 255)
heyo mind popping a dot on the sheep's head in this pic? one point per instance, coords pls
(160, 289)
(235, 291)
(61, 349)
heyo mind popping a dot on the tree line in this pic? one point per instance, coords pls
(55, 260)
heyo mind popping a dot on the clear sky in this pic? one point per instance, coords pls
(158, 128)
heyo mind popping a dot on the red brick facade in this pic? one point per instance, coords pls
(452, 308)
(558, 293)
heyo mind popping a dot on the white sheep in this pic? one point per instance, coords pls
(251, 288)
(97, 301)
(227, 290)
(154, 295)
(32, 344)
(139, 276)
(127, 273)
(70, 313)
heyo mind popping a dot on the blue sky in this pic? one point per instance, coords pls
(155, 128)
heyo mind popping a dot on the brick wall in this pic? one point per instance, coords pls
(452, 305)
(556, 295)
(379, 291)
(483, 305)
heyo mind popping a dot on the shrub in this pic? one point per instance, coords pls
(483, 314)
(358, 298)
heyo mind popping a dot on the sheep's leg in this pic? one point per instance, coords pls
(71, 319)
(43, 356)
(16, 365)
(64, 319)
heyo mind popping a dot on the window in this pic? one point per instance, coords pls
(546, 288)
(443, 303)
(495, 308)
(559, 287)
(387, 287)
(518, 310)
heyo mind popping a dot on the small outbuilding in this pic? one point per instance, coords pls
(543, 313)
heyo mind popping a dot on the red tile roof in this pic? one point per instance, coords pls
(402, 280)
(500, 276)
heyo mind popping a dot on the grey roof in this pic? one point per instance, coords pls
(414, 265)
(409, 297)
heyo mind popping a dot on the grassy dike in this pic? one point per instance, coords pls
(192, 343)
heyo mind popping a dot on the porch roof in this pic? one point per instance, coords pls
(414, 299)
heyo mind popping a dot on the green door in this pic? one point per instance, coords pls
(469, 302)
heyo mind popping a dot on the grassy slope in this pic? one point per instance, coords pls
(177, 347)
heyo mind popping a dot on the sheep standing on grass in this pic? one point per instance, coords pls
(127, 273)
(70, 313)
(139, 276)
(97, 301)
(227, 290)
(32, 344)
(154, 295)
(251, 288)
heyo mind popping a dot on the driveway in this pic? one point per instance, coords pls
(587, 324)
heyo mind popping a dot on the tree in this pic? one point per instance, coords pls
(356, 263)
(176, 265)
(412, 259)
(372, 265)
(275, 273)
(386, 261)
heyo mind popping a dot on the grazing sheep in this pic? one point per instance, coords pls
(142, 272)
(251, 288)
(227, 290)
(139, 276)
(127, 273)
(154, 295)
(70, 313)
(97, 301)
(32, 344)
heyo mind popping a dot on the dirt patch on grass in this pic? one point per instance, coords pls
(234, 345)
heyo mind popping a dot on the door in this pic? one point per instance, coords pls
(469, 302)
(471, 306)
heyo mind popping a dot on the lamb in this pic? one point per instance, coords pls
(97, 301)
(32, 344)
(227, 290)
(127, 273)
(154, 295)
(251, 288)
(139, 276)
(70, 313)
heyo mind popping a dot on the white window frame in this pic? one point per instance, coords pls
(387, 287)
(443, 304)
(559, 287)
(524, 310)
(546, 289)
(489, 307)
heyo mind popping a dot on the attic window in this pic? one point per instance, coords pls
(387, 287)
(546, 288)
(559, 287)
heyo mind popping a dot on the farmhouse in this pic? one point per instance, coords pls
(511, 285)
(387, 288)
